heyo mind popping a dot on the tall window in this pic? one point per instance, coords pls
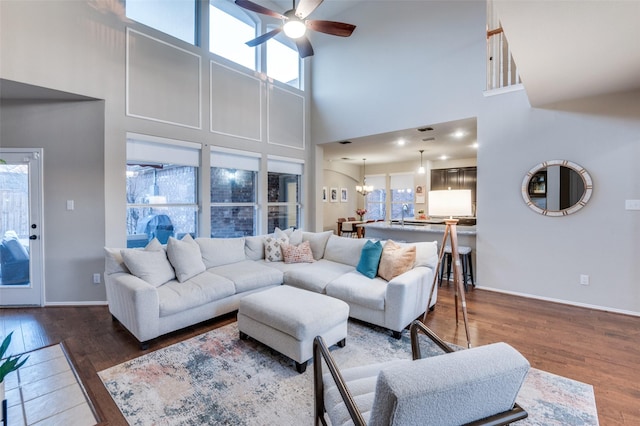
(174, 17)
(284, 181)
(229, 30)
(401, 186)
(161, 191)
(234, 190)
(375, 202)
(283, 63)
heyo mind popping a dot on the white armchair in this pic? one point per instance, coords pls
(476, 386)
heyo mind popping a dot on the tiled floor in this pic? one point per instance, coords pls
(45, 391)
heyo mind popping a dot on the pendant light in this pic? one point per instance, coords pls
(421, 169)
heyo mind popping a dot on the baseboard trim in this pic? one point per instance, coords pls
(563, 302)
(86, 303)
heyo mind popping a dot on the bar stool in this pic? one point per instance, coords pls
(467, 265)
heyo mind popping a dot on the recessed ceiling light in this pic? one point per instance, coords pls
(401, 142)
(474, 145)
(458, 134)
(443, 157)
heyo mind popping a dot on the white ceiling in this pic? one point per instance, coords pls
(573, 49)
(454, 139)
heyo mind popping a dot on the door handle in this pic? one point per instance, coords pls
(33, 237)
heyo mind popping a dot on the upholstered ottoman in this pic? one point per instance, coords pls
(287, 319)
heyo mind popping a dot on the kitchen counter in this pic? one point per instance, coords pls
(415, 231)
(422, 232)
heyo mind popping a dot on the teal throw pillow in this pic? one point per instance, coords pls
(369, 259)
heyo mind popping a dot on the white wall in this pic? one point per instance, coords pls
(407, 64)
(81, 47)
(71, 135)
(523, 252)
(410, 63)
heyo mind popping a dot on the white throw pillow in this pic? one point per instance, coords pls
(426, 253)
(254, 247)
(273, 248)
(221, 251)
(318, 242)
(114, 263)
(185, 257)
(149, 265)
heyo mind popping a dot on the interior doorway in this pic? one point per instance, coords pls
(21, 244)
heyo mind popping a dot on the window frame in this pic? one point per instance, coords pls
(410, 191)
(286, 166)
(196, 22)
(240, 156)
(240, 14)
(152, 150)
(287, 42)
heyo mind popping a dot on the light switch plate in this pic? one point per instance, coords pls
(632, 204)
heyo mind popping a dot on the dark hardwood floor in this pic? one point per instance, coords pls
(595, 347)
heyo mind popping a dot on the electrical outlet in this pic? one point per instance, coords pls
(584, 279)
(96, 278)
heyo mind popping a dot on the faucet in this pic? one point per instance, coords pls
(405, 208)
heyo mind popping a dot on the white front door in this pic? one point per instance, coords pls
(21, 244)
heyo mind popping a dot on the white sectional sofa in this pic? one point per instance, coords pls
(156, 290)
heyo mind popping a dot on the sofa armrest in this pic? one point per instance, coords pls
(134, 303)
(406, 297)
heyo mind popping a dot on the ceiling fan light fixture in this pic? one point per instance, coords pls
(294, 28)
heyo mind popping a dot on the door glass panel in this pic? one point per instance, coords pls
(14, 225)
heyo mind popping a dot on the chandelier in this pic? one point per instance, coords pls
(364, 189)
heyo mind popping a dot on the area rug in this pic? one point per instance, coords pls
(218, 379)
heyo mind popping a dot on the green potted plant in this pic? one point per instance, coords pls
(7, 365)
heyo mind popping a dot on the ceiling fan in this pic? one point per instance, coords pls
(295, 25)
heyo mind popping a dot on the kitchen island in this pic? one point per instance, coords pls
(416, 231)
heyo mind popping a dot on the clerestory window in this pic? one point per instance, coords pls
(229, 29)
(176, 18)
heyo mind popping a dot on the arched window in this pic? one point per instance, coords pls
(229, 29)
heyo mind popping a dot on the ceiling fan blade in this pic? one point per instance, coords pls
(331, 27)
(264, 37)
(306, 7)
(304, 47)
(249, 5)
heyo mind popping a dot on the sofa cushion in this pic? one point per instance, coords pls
(344, 250)
(185, 257)
(318, 242)
(316, 276)
(175, 297)
(370, 259)
(113, 261)
(396, 260)
(149, 265)
(426, 253)
(355, 288)
(221, 251)
(249, 275)
(297, 254)
(273, 248)
(254, 247)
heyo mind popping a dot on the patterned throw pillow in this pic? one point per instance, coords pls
(273, 248)
(298, 254)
